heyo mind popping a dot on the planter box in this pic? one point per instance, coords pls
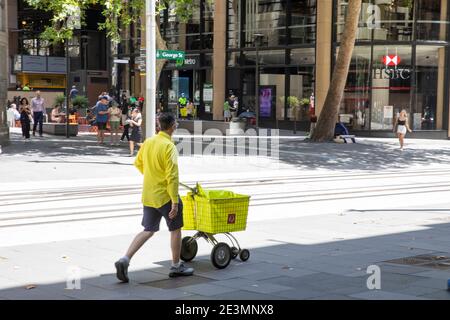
(59, 129)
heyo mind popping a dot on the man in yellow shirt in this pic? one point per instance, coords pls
(157, 160)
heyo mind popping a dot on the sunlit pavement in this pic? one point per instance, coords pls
(320, 215)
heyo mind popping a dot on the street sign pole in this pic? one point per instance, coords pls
(150, 74)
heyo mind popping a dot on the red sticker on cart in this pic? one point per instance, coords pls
(231, 218)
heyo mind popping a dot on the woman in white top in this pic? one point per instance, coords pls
(402, 127)
(114, 123)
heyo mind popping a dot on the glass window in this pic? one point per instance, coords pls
(302, 28)
(396, 20)
(354, 109)
(234, 17)
(432, 20)
(304, 56)
(430, 73)
(208, 31)
(300, 91)
(266, 57)
(267, 17)
(365, 26)
(391, 84)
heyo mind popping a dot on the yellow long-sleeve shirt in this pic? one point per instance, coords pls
(157, 160)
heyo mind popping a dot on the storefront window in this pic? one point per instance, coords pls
(354, 110)
(391, 84)
(430, 73)
(300, 92)
(432, 21)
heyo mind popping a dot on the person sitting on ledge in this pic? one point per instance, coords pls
(57, 116)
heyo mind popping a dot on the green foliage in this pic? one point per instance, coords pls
(304, 102)
(60, 99)
(80, 102)
(64, 11)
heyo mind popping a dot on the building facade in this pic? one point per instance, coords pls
(38, 64)
(4, 130)
(401, 61)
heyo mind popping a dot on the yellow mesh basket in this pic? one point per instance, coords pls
(215, 211)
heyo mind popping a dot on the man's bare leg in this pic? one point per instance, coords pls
(177, 269)
(175, 244)
(136, 244)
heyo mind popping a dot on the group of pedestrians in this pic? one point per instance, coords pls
(108, 111)
(29, 113)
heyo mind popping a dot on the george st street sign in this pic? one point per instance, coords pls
(170, 55)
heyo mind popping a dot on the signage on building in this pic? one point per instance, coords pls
(391, 71)
(208, 92)
(121, 61)
(34, 64)
(391, 61)
(56, 64)
(169, 54)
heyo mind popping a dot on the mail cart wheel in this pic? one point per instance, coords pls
(189, 248)
(221, 255)
(244, 255)
(234, 252)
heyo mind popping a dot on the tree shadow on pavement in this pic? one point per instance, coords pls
(60, 147)
(336, 269)
(360, 156)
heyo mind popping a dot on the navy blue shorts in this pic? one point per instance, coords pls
(152, 217)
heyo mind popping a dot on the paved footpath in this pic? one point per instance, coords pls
(320, 215)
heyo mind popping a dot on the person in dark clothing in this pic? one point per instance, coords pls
(25, 118)
(126, 126)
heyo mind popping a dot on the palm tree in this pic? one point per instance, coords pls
(327, 119)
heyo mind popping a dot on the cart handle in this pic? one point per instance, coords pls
(193, 190)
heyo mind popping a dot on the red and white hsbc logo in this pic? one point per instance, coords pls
(391, 60)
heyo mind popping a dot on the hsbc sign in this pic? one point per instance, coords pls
(391, 61)
(391, 69)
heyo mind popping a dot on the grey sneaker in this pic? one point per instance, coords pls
(122, 270)
(181, 271)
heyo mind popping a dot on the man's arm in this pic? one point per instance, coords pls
(172, 174)
(139, 161)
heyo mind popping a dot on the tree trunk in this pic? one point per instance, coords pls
(326, 123)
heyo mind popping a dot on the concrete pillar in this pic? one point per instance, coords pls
(4, 72)
(440, 89)
(219, 58)
(323, 51)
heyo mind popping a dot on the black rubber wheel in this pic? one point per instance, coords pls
(244, 255)
(221, 255)
(189, 248)
(234, 252)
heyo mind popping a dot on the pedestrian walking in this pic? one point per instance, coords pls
(73, 93)
(126, 126)
(157, 160)
(402, 127)
(226, 111)
(101, 118)
(38, 109)
(135, 125)
(114, 123)
(25, 118)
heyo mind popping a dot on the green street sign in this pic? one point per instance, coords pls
(170, 55)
